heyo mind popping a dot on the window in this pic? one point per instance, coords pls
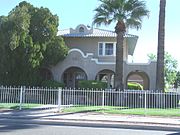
(100, 48)
(81, 29)
(106, 49)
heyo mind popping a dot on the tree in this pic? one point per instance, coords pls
(52, 56)
(177, 81)
(170, 68)
(126, 14)
(152, 57)
(27, 37)
(160, 52)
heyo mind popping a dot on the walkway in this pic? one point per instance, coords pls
(92, 117)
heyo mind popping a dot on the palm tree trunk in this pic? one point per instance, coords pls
(120, 30)
(160, 52)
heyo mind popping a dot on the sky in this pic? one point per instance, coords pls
(74, 12)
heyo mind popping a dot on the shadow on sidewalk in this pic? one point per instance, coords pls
(7, 124)
(174, 133)
(11, 120)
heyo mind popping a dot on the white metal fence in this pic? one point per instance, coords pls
(61, 98)
(28, 95)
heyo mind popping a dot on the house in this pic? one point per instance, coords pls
(92, 57)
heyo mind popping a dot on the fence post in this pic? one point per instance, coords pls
(21, 98)
(103, 99)
(59, 98)
(145, 102)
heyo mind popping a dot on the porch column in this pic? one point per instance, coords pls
(109, 80)
(91, 76)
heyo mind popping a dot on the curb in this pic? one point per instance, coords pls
(89, 121)
(99, 124)
(95, 122)
(115, 122)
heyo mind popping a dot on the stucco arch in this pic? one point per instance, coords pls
(139, 77)
(106, 75)
(72, 75)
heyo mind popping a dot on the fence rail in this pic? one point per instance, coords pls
(61, 98)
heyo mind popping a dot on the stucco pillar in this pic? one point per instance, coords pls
(91, 76)
(109, 80)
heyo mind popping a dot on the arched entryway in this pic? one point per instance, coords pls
(138, 77)
(107, 76)
(72, 76)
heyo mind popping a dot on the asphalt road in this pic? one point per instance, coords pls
(35, 127)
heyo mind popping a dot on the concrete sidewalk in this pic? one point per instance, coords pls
(91, 117)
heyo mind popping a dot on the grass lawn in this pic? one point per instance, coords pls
(90, 108)
(148, 112)
(126, 111)
(15, 106)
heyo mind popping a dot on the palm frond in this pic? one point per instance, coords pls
(132, 23)
(135, 11)
(104, 13)
(131, 12)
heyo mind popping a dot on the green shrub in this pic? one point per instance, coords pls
(52, 84)
(92, 84)
(135, 86)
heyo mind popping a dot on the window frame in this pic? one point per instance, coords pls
(104, 49)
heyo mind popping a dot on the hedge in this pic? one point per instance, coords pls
(89, 84)
(135, 86)
(92, 84)
(52, 84)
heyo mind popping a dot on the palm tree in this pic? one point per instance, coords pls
(126, 14)
(160, 52)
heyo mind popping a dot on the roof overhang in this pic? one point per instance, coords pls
(94, 32)
(131, 42)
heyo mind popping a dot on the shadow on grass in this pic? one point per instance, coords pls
(16, 107)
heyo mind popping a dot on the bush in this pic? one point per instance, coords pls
(92, 84)
(135, 86)
(52, 84)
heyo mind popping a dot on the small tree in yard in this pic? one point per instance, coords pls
(177, 81)
(170, 68)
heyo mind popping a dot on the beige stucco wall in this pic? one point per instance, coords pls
(90, 45)
(92, 67)
(148, 68)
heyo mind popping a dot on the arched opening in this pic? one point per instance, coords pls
(138, 77)
(45, 74)
(81, 30)
(72, 76)
(107, 76)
